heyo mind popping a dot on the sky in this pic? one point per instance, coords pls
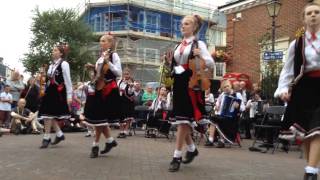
(16, 19)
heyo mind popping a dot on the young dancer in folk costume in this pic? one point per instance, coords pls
(188, 103)
(56, 101)
(299, 85)
(127, 103)
(103, 101)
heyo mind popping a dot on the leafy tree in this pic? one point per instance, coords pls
(51, 27)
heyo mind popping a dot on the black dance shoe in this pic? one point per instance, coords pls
(175, 164)
(94, 152)
(58, 139)
(122, 135)
(310, 176)
(18, 129)
(220, 144)
(45, 143)
(108, 147)
(190, 156)
(209, 144)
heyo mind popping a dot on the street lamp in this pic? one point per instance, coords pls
(273, 8)
(271, 77)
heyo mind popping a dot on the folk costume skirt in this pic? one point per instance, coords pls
(127, 109)
(54, 103)
(188, 104)
(103, 106)
(303, 110)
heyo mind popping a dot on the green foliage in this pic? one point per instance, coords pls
(270, 76)
(51, 27)
(166, 79)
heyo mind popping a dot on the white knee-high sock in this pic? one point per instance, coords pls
(177, 154)
(311, 170)
(191, 147)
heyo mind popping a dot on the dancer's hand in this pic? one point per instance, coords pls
(196, 52)
(69, 101)
(236, 105)
(285, 96)
(89, 66)
(169, 56)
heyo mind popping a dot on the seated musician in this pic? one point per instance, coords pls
(253, 112)
(158, 114)
(23, 120)
(226, 125)
(209, 101)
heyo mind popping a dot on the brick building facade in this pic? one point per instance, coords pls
(249, 24)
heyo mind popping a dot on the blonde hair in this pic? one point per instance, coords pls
(111, 39)
(196, 20)
(126, 69)
(15, 75)
(224, 83)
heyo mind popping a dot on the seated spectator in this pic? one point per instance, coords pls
(148, 96)
(23, 120)
(138, 92)
(209, 101)
(226, 120)
(5, 107)
(159, 113)
(209, 98)
(77, 100)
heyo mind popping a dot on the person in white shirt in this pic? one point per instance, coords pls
(244, 92)
(56, 102)
(126, 89)
(226, 118)
(16, 87)
(188, 103)
(5, 107)
(209, 98)
(299, 85)
(158, 114)
(103, 104)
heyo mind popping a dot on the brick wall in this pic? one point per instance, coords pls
(243, 36)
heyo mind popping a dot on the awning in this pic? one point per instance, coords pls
(237, 77)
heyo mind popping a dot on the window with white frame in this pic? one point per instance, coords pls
(97, 23)
(217, 37)
(148, 55)
(151, 55)
(140, 55)
(176, 28)
(219, 70)
(150, 22)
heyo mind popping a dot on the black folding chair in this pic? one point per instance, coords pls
(140, 117)
(266, 132)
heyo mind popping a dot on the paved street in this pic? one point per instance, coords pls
(138, 158)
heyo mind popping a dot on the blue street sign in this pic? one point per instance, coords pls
(277, 55)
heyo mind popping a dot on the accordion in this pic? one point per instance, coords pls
(227, 106)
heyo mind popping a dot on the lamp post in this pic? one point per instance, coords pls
(273, 8)
(271, 76)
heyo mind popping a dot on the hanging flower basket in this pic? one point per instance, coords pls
(221, 56)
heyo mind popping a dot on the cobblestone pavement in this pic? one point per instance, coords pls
(138, 158)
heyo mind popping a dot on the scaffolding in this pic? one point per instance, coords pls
(146, 29)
